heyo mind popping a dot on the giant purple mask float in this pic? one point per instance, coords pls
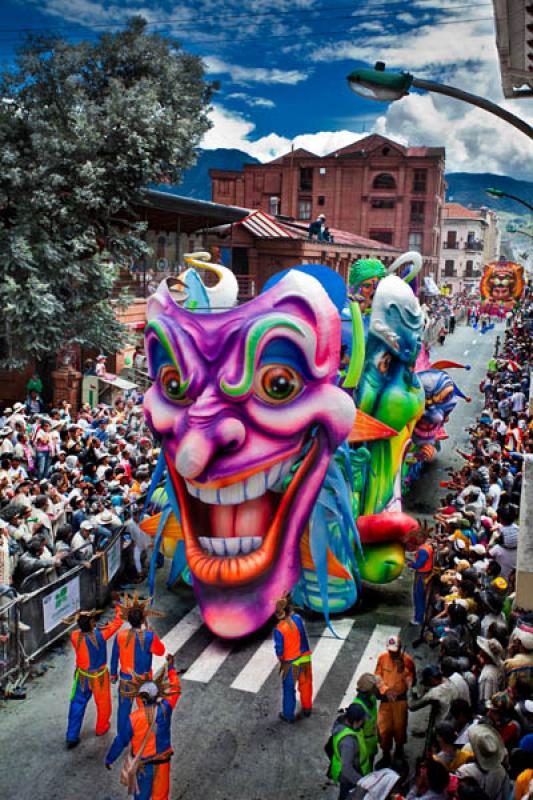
(263, 492)
(240, 400)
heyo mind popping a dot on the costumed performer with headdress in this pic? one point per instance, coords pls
(91, 677)
(294, 655)
(148, 734)
(133, 649)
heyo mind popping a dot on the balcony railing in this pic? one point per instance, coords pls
(474, 245)
(451, 245)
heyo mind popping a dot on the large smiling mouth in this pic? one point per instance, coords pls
(233, 534)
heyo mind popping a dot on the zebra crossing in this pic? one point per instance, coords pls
(262, 662)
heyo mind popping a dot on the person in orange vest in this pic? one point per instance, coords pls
(148, 734)
(294, 655)
(133, 649)
(91, 677)
(422, 564)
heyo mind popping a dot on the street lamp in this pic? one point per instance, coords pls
(499, 194)
(377, 84)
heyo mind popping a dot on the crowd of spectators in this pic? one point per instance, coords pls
(478, 683)
(67, 483)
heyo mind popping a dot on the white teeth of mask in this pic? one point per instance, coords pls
(234, 546)
(254, 486)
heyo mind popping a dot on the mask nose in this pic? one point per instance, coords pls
(199, 446)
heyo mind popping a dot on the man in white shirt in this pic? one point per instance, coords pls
(83, 539)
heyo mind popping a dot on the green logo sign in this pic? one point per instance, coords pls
(61, 597)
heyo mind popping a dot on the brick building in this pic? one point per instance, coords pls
(470, 239)
(374, 188)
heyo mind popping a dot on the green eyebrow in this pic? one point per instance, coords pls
(253, 337)
(163, 339)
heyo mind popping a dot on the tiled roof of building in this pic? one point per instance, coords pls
(457, 211)
(264, 226)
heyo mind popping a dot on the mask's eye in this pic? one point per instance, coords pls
(276, 384)
(172, 385)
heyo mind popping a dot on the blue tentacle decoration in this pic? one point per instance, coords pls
(157, 547)
(157, 476)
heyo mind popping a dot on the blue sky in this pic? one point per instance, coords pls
(282, 66)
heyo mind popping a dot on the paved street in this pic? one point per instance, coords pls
(228, 741)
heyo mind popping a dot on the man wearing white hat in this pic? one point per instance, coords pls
(486, 770)
(397, 673)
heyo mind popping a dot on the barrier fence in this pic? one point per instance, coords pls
(44, 610)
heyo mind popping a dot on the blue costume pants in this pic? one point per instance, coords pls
(419, 597)
(154, 782)
(123, 711)
(305, 687)
(83, 691)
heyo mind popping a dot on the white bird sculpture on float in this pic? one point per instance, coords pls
(224, 293)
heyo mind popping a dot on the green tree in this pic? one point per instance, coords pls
(84, 128)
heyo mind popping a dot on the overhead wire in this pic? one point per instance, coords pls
(252, 15)
(249, 37)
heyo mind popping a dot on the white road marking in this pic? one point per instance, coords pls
(209, 661)
(254, 674)
(327, 650)
(376, 645)
(466, 352)
(179, 635)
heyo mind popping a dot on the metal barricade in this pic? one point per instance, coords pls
(9, 639)
(88, 585)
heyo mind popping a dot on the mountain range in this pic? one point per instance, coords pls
(467, 188)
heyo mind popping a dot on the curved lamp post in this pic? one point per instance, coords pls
(499, 193)
(377, 84)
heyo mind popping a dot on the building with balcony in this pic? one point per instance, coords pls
(374, 188)
(470, 239)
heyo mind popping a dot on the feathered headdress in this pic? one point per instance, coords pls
(72, 618)
(137, 603)
(158, 688)
(283, 605)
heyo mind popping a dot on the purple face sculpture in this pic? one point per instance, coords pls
(246, 405)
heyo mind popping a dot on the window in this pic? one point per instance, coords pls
(273, 205)
(224, 186)
(321, 200)
(385, 151)
(420, 177)
(384, 181)
(383, 202)
(304, 209)
(415, 241)
(451, 240)
(449, 271)
(306, 179)
(381, 236)
(322, 170)
(417, 211)
(469, 271)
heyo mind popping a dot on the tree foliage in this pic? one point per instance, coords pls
(84, 128)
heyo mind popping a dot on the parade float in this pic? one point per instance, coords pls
(283, 462)
(501, 287)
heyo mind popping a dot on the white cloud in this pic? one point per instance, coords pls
(247, 75)
(420, 48)
(475, 142)
(251, 100)
(231, 129)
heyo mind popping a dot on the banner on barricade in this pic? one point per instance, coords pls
(113, 558)
(61, 603)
